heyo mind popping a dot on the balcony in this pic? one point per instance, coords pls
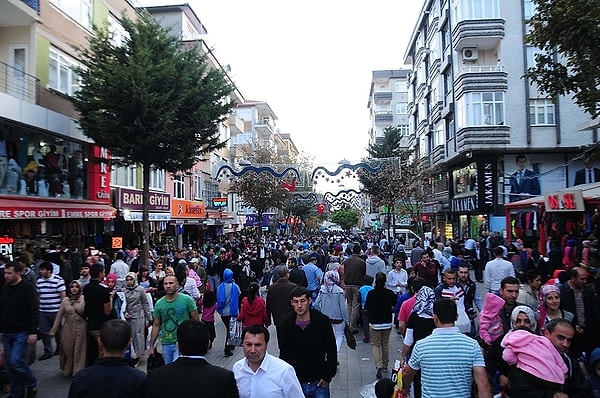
(264, 128)
(236, 125)
(19, 84)
(384, 117)
(383, 97)
(19, 13)
(481, 78)
(437, 156)
(483, 137)
(241, 139)
(480, 33)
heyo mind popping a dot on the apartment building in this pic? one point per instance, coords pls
(54, 182)
(474, 115)
(388, 105)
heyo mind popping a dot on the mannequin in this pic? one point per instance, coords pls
(13, 171)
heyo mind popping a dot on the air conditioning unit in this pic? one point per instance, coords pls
(470, 54)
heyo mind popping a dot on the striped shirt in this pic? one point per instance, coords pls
(49, 290)
(446, 359)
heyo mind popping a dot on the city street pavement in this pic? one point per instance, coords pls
(355, 370)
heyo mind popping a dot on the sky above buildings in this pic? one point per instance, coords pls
(312, 61)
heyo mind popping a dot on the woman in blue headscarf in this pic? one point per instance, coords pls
(228, 295)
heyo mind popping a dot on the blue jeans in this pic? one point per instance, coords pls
(19, 374)
(170, 353)
(311, 390)
(214, 281)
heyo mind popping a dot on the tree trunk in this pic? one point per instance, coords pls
(145, 205)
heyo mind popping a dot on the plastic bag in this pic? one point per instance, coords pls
(235, 333)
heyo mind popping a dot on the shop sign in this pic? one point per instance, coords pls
(99, 174)
(463, 204)
(219, 202)
(6, 247)
(132, 199)
(187, 209)
(24, 212)
(488, 185)
(564, 201)
(138, 216)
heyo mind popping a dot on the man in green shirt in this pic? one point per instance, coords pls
(169, 312)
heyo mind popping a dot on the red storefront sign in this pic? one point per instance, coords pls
(564, 201)
(15, 210)
(99, 174)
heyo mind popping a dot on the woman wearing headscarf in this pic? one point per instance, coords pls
(529, 289)
(137, 313)
(549, 307)
(420, 325)
(523, 317)
(379, 306)
(74, 330)
(228, 296)
(332, 302)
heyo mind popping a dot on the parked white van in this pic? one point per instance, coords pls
(406, 235)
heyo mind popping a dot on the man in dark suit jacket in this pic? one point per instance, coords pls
(191, 374)
(523, 181)
(279, 299)
(587, 175)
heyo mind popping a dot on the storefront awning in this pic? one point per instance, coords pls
(19, 208)
(590, 193)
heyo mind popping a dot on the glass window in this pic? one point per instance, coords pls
(211, 190)
(62, 76)
(157, 179)
(403, 130)
(529, 7)
(477, 109)
(401, 108)
(197, 186)
(179, 187)
(541, 111)
(531, 53)
(124, 176)
(78, 10)
(118, 34)
(478, 9)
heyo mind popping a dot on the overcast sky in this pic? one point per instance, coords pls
(312, 61)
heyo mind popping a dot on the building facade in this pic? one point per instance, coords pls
(474, 115)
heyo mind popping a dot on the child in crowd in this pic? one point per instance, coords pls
(490, 323)
(362, 294)
(594, 372)
(209, 306)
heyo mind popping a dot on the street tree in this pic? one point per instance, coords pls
(150, 100)
(567, 33)
(345, 218)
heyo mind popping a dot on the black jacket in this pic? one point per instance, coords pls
(19, 308)
(312, 351)
(110, 377)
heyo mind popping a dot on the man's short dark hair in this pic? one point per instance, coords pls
(450, 271)
(181, 276)
(356, 249)
(96, 269)
(384, 388)
(509, 280)
(445, 310)
(368, 280)
(283, 271)
(115, 335)
(257, 329)
(17, 267)
(380, 279)
(193, 337)
(520, 156)
(498, 251)
(292, 260)
(300, 291)
(550, 326)
(47, 265)
(417, 284)
(312, 259)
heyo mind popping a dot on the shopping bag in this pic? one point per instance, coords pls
(350, 340)
(235, 333)
(154, 361)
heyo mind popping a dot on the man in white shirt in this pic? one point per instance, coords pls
(120, 268)
(496, 270)
(261, 375)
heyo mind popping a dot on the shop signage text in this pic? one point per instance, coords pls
(565, 201)
(187, 209)
(133, 199)
(6, 247)
(488, 185)
(99, 174)
(55, 213)
(464, 204)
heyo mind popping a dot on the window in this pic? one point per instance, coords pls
(399, 86)
(403, 130)
(124, 176)
(439, 138)
(157, 179)
(478, 9)
(211, 190)
(477, 109)
(530, 8)
(541, 111)
(401, 108)
(79, 10)
(179, 187)
(118, 34)
(531, 53)
(197, 186)
(62, 75)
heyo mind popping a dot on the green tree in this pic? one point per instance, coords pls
(150, 100)
(345, 218)
(567, 32)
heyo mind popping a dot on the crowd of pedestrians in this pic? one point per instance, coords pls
(94, 308)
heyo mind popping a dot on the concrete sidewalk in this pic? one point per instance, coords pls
(355, 370)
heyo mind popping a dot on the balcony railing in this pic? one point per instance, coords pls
(19, 84)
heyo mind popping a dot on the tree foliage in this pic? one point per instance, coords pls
(402, 184)
(150, 100)
(567, 32)
(345, 218)
(260, 191)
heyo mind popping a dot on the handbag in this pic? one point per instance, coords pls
(235, 333)
(155, 360)
(350, 340)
